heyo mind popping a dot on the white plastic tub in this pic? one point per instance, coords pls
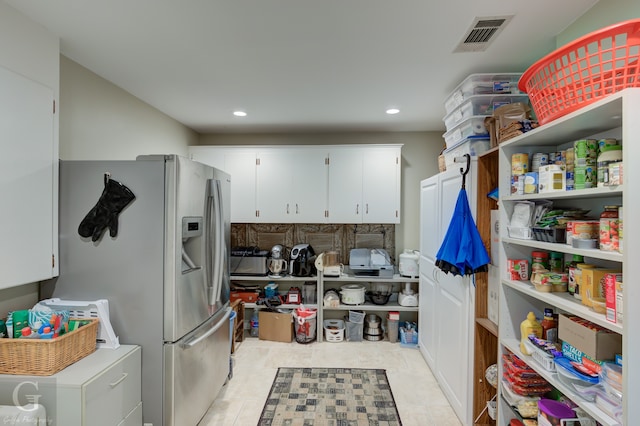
(473, 126)
(483, 105)
(473, 146)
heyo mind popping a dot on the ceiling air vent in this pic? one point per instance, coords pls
(481, 33)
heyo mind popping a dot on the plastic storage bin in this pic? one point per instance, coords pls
(473, 145)
(480, 105)
(473, 126)
(354, 331)
(482, 84)
(333, 330)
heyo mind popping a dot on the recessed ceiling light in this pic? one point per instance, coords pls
(239, 113)
(392, 111)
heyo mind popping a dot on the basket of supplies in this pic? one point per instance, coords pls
(44, 357)
(333, 330)
(588, 69)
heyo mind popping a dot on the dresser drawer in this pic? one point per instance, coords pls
(110, 396)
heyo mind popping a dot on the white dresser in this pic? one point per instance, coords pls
(101, 389)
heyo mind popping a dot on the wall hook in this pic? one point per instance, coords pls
(107, 177)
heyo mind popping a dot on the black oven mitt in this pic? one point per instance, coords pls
(115, 197)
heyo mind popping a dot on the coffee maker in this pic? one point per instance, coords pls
(301, 261)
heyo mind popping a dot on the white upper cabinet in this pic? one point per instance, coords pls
(364, 184)
(310, 184)
(240, 163)
(27, 172)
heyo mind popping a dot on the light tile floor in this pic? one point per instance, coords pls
(418, 397)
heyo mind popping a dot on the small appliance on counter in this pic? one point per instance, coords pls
(408, 297)
(276, 264)
(408, 266)
(249, 261)
(301, 261)
(370, 262)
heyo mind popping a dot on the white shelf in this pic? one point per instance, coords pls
(564, 301)
(615, 115)
(283, 306)
(600, 192)
(391, 306)
(564, 248)
(269, 278)
(397, 278)
(514, 346)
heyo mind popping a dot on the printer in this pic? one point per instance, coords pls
(370, 262)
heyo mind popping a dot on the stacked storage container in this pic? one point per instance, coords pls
(467, 107)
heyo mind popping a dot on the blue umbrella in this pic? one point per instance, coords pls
(462, 251)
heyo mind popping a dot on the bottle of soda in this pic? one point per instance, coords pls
(254, 323)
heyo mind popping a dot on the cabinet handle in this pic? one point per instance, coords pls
(357, 208)
(287, 208)
(297, 210)
(117, 382)
(367, 211)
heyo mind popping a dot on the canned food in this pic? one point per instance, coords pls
(585, 229)
(519, 164)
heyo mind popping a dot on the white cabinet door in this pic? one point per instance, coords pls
(240, 163)
(364, 184)
(381, 185)
(28, 181)
(345, 185)
(446, 308)
(292, 185)
(429, 243)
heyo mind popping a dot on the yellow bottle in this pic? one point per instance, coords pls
(528, 327)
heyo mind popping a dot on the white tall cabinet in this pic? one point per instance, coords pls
(29, 82)
(615, 116)
(446, 302)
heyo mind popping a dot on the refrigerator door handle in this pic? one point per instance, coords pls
(214, 240)
(193, 342)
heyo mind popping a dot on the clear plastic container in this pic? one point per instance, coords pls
(472, 145)
(480, 105)
(472, 126)
(482, 84)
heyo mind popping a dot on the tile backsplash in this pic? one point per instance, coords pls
(321, 237)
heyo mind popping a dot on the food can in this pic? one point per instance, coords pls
(519, 163)
(585, 176)
(570, 159)
(606, 142)
(570, 185)
(620, 229)
(609, 240)
(584, 150)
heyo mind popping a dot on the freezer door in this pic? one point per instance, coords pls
(196, 368)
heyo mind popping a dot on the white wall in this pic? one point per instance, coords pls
(604, 13)
(419, 161)
(100, 121)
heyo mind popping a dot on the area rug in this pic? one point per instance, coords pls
(330, 396)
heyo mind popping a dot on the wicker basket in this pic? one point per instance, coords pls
(44, 357)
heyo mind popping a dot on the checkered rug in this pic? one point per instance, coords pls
(331, 397)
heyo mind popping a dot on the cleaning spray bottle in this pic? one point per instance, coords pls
(527, 327)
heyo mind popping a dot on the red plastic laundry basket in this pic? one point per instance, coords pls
(583, 71)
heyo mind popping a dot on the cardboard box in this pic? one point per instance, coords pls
(593, 282)
(619, 305)
(591, 339)
(552, 178)
(518, 269)
(275, 326)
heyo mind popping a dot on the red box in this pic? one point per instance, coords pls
(610, 296)
(245, 296)
(518, 269)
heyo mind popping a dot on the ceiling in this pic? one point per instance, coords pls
(297, 65)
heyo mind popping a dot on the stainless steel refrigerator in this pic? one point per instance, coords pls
(165, 273)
